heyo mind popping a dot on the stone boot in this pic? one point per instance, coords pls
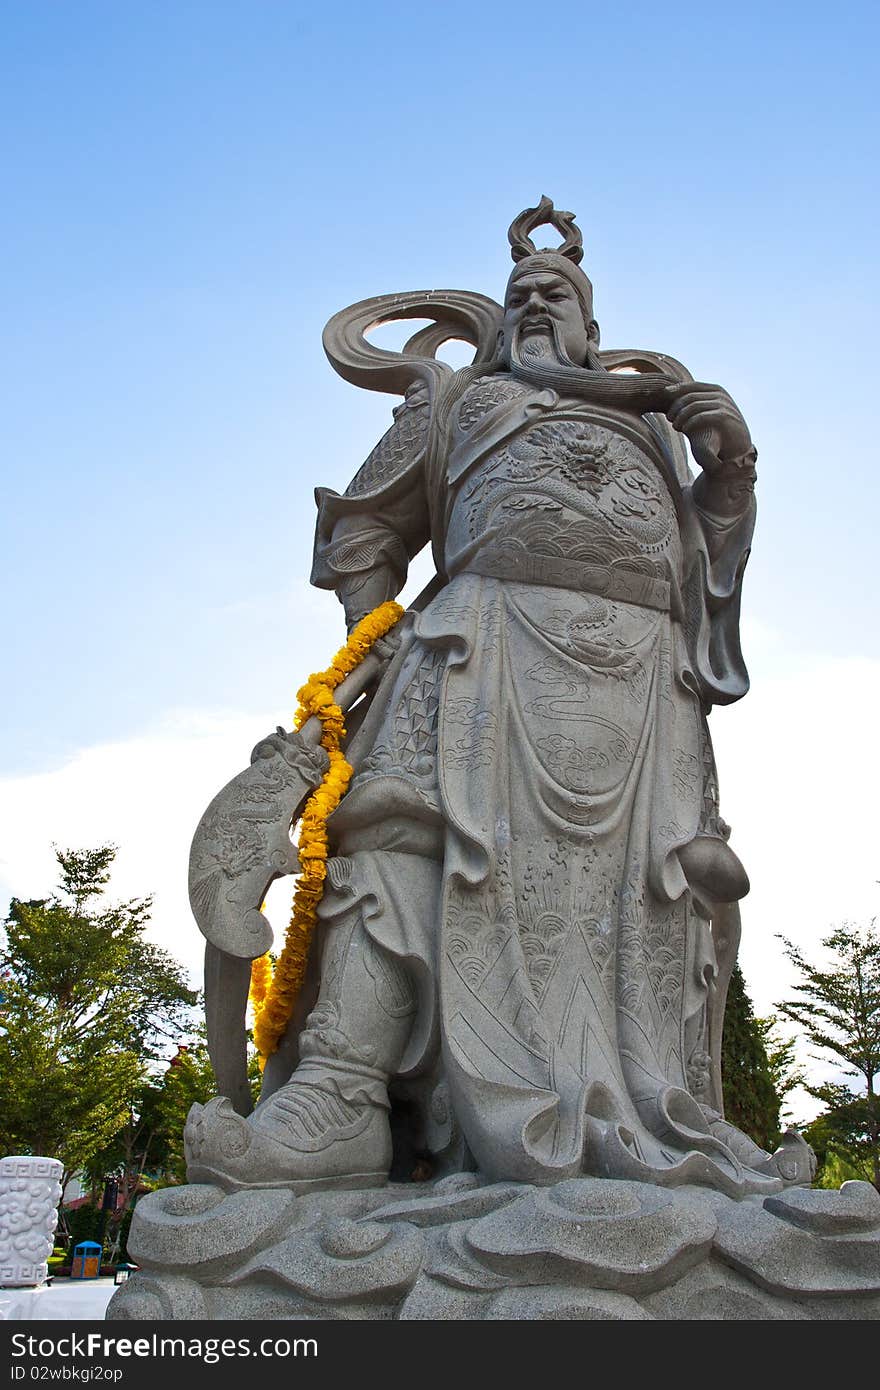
(308, 1135)
(328, 1126)
(794, 1162)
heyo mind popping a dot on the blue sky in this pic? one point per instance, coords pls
(192, 189)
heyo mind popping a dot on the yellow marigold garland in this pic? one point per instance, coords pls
(261, 978)
(273, 993)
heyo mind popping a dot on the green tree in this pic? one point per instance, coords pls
(785, 1070)
(189, 1080)
(752, 1101)
(131, 1151)
(88, 1005)
(147, 1150)
(838, 1012)
(841, 1137)
(148, 1146)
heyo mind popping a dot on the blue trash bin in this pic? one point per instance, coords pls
(86, 1260)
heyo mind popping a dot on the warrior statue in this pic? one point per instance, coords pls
(530, 916)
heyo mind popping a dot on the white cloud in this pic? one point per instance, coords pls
(799, 766)
(145, 794)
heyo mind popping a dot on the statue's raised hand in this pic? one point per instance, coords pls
(718, 434)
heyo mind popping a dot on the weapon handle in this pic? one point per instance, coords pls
(227, 982)
(347, 692)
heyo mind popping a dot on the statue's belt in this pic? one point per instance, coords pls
(608, 581)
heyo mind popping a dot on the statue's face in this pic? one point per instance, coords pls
(541, 305)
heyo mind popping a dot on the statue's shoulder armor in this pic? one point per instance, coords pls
(485, 394)
(397, 450)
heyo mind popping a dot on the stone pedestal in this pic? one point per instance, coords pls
(30, 1190)
(461, 1248)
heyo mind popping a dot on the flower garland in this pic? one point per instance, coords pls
(273, 992)
(261, 978)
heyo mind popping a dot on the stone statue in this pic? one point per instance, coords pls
(499, 1095)
(517, 950)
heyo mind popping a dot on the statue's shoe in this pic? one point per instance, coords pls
(301, 1138)
(794, 1161)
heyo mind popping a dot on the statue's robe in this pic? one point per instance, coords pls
(532, 763)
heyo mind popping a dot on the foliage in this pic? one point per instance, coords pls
(80, 1223)
(752, 1100)
(838, 1011)
(785, 1071)
(833, 1169)
(88, 1004)
(841, 1135)
(127, 1151)
(188, 1081)
(88, 1222)
(121, 1233)
(146, 1153)
(149, 1144)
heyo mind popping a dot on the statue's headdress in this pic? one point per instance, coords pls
(476, 319)
(562, 260)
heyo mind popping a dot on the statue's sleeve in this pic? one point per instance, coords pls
(717, 518)
(713, 593)
(365, 539)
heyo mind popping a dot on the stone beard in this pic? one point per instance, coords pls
(530, 916)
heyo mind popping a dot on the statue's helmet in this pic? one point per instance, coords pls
(562, 260)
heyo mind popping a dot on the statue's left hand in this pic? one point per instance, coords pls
(713, 423)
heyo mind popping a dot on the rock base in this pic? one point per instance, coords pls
(462, 1248)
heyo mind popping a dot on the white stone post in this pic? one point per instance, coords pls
(30, 1189)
